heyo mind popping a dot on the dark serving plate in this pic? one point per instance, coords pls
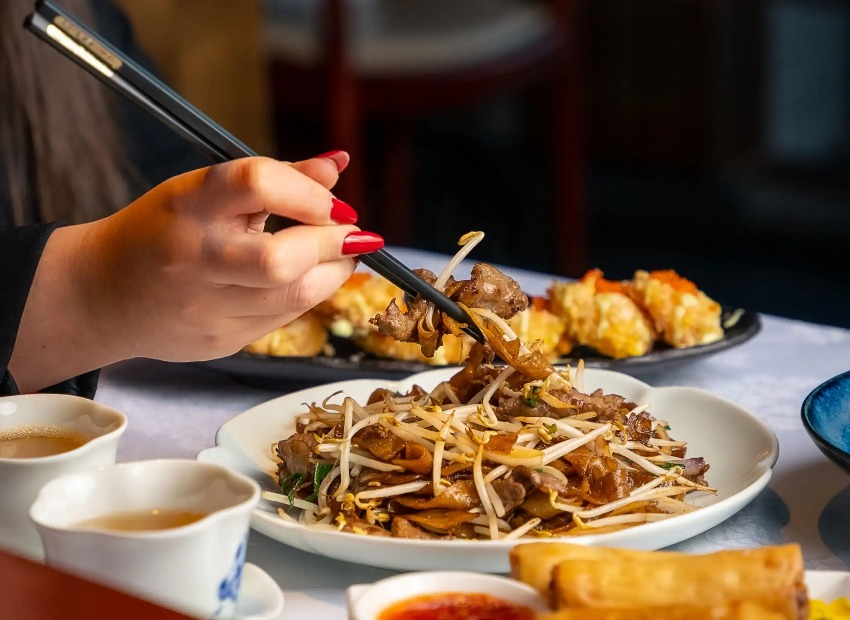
(826, 417)
(349, 362)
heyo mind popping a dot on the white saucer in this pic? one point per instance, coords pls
(260, 598)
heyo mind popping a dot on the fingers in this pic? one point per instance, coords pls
(256, 184)
(324, 169)
(286, 302)
(266, 261)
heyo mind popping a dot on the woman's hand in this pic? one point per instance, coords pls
(186, 271)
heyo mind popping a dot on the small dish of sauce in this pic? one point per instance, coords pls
(456, 606)
(445, 595)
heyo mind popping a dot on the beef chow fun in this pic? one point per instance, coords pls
(496, 452)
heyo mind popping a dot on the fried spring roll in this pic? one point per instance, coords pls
(532, 563)
(769, 576)
(735, 611)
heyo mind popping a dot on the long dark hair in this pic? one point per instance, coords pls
(60, 146)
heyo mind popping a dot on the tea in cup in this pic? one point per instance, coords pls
(171, 531)
(43, 436)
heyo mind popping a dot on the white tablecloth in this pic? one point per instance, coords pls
(174, 411)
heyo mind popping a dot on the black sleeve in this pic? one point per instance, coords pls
(20, 251)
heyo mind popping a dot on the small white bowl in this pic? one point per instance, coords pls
(367, 601)
(21, 479)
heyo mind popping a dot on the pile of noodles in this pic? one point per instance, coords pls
(456, 449)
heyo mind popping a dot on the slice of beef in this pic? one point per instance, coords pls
(491, 289)
(511, 493)
(402, 528)
(296, 452)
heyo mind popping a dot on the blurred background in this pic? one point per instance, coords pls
(708, 136)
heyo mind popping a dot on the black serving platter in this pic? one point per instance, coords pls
(349, 362)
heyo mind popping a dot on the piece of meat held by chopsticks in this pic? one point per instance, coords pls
(488, 289)
(533, 563)
(771, 577)
(490, 298)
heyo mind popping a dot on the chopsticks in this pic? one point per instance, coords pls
(90, 51)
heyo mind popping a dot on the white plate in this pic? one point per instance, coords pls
(740, 449)
(828, 585)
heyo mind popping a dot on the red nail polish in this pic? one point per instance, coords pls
(340, 158)
(341, 212)
(361, 242)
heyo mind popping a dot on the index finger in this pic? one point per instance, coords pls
(257, 184)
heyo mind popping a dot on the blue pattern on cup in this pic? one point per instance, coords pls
(228, 589)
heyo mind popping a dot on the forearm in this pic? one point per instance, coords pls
(62, 333)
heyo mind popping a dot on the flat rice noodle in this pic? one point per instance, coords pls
(589, 464)
(502, 442)
(519, 408)
(559, 524)
(583, 494)
(453, 326)
(440, 519)
(612, 486)
(379, 442)
(454, 468)
(361, 526)
(459, 496)
(429, 339)
(402, 528)
(465, 381)
(533, 365)
(416, 459)
(394, 478)
(537, 505)
(465, 531)
(380, 395)
(639, 427)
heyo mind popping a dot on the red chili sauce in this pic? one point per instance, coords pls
(456, 606)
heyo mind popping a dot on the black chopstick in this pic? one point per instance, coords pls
(137, 76)
(90, 51)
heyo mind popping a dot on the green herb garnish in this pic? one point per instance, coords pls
(667, 427)
(289, 485)
(669, 465)
(531, 400)
(319, 474)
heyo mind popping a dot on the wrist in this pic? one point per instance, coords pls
(64, 330)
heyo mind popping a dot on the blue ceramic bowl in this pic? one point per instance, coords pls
(826, 416)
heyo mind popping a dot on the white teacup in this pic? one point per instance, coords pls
(21, 478)
(195, 568)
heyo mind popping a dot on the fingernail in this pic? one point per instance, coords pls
(342, 212)
(361, 242)
(340, 158)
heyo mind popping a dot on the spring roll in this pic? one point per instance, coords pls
(532, 563)
(745, 610)
(769, 576)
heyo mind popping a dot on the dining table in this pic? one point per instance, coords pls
(175, 409)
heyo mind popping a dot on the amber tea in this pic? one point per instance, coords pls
(143, 520)
(27, 442)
